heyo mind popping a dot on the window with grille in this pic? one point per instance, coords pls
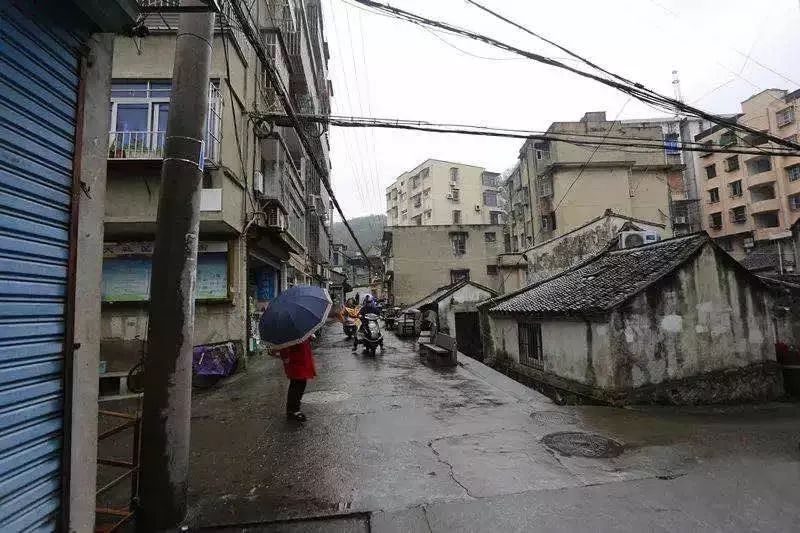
(738, 215)
(494, 217)
(785, 116)
(793, 172)
(549, 222)
(459, 275)
(794, 202)
(490, 236)
(736, 188)
(715, 220)
(459, 241)
(491, 270)
(530, 345)
(456, 195)
(711, 171)
(545, 188)
(417, 199)
(456, 217)
(490, 198)
(732, 163)
(453, 173)
(727, 139)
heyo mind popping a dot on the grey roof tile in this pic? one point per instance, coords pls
(606, 281)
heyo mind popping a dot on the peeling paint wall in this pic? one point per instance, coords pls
(705, 318)
(574, 350)
(551, 257)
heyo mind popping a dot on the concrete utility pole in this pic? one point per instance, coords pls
(168, 368)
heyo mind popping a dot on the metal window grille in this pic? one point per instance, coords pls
(459, 243)
(530, 345)
(785, 116)
(794, 172)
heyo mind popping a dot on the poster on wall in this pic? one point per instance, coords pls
(127, 268)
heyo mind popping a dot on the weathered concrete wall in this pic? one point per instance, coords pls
(705, 318)
(573, 350)
(88, 276)
(423, 258)
(464, 300)
(553, 256)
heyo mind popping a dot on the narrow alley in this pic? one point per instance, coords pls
(393, 445)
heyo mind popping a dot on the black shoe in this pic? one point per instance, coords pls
(297, 417)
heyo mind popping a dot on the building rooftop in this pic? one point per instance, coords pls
(605, 281)
(443, 292)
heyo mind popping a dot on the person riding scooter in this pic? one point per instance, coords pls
(368, 307)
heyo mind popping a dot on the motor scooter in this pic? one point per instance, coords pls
(349, 322)
(370, 334)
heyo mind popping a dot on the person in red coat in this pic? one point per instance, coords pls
(298, 363)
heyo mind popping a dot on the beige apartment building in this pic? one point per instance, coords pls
(557, 186)
(750, 202)
(264, 212)
(421, 259)
(438, 193)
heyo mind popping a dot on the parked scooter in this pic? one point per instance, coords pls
(370, 335)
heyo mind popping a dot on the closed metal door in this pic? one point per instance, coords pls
(40, 44)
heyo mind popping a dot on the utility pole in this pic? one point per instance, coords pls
(168, 367)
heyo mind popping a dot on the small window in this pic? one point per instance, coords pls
(426, 192)
(459, 241)
(672, 144)
(507, 242)
(530, 345)
(738, 215)
(417, 199)
(454, 174)
(428, 214)
(491, 270)
(456, 217)
(490, 236)
(715, 220)
(727, 139)
(425, 172)
(793, 172)
(711, 171)
(494, 217)
(794, 202)
(732, 163)
(736, 188)
(713, 195)
(490, 198)
(415, 181)
(785, 116)
(545, 188)
(456, 195)
(726, 244)
(459, 275)
(549, 222)
(489, 179)
(417, 220)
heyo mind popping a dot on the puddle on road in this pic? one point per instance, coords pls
(325, 396)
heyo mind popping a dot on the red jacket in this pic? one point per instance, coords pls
(298, 361)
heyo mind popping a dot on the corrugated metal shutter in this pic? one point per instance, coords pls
(39, 74)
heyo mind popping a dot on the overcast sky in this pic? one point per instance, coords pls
(384, 67)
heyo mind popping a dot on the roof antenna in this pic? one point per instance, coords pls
(676, 87)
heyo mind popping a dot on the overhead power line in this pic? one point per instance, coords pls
(631, 88)
(578, 139)
(285, 100)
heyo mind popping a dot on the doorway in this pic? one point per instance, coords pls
(468, 335)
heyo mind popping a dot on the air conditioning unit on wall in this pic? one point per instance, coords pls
(477, 208)
(632, 239)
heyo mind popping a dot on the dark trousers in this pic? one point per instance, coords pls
(296, 389)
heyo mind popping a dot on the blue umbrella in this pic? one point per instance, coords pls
(294, 315)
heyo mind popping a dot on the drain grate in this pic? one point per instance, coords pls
(571, 443)
(557, 418)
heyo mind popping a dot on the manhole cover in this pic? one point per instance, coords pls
(571, 443)
(324, 396)
(553, 417)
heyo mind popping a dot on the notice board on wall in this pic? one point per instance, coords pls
(127, 268)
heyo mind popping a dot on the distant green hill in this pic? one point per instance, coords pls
(368, 230)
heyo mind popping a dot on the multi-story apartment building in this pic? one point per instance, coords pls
(441, 192)
(751, 201)
(560, 186)
(264, 211)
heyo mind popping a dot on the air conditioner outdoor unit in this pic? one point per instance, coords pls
(258, 182)
(632, 239)
(477, 208)
(449, 196)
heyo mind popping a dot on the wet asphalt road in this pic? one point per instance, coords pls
(460, 449)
